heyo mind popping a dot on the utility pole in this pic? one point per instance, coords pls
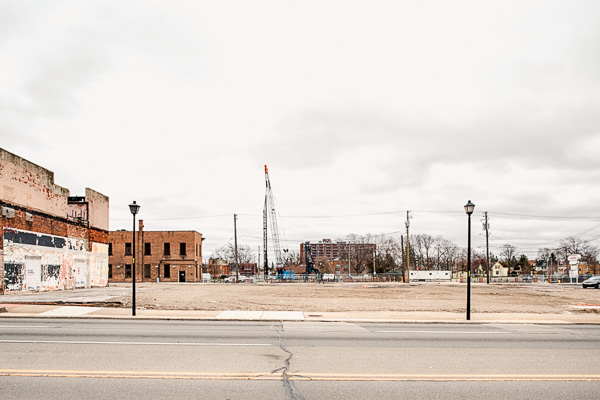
(402, 264)
(486, 226)
(237, 261)
(407, 223)
(258, 263)
(348, 259)
(374, 265)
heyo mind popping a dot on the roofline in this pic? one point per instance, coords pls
(127, 230)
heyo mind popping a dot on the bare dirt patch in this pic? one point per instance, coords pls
(341, 297)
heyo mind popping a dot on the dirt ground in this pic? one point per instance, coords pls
(538, 298)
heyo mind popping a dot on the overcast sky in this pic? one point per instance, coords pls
(361, 109)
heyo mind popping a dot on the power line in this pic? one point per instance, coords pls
(546, 217)
(441, 212)
(340, 215)
(177, 218)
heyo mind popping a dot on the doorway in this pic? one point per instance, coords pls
(181, 276)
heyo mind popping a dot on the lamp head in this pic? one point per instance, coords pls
(469, 207)
(134, 208)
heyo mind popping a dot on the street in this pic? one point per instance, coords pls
(72, 358)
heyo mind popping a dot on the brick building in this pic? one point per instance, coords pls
(247, 269)
(170, 256)
(49, 240)
(339, 257)
(326, 249)
(217, 267)
(334, 251)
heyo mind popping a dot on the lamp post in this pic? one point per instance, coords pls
(134, 208)
(469, 207)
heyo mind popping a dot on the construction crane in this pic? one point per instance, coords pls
(269, 210)
(310, 262)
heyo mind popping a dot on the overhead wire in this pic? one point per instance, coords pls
(496, 214)
(333, 216)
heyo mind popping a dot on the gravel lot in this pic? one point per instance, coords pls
(538, 298)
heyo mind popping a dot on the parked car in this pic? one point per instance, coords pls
(594, 281)
(231, 279)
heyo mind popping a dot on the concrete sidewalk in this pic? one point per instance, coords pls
(15, 310)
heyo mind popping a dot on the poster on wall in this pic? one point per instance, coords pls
(35, 261)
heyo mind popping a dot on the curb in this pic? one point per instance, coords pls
(356, 320)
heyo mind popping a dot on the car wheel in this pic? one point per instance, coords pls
(598, 286)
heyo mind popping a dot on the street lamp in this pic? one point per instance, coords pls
(469, 207)
(134, 208)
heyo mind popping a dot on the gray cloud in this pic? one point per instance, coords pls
(507, 93)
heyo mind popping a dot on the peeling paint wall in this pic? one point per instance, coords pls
(35, 261)
(71, 245)
(25, 183)
(28, 185)
(98, 209)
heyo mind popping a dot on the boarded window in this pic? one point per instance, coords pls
(127, 249)
(147, 249)
(167, 249)
(147, 271)
(127, 271)
(109, 271)
(110, 249)
(167, 273)
(182, 249)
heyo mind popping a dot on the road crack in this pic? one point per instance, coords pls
(290, 388)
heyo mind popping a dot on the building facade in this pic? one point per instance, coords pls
(164, 256)
(247, 269)
(49, 239)
(339, 257)
(217, 267)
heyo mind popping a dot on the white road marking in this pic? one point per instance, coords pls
(446, 332)
(25, 326)
(262, 315)
(136, 343)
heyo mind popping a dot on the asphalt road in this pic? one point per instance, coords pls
(125, 359)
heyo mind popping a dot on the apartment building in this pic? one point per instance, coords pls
(339, 257)
(335, 251)
(163, 256)
(49, 240)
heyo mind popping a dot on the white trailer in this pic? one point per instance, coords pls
(430, 275)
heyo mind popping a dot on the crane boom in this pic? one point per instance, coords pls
(270, 209)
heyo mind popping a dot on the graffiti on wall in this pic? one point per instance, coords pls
(35, 261)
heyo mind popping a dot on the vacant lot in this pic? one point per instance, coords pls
(531, 298)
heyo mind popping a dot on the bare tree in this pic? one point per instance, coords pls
(427, 243)
(245, 253)
(388, 254)
(508, 255)
(361, 252)
(575, 245)
(448, 254)
(546, 257)
(293, 258)
(438, 252)
(324, 265)
(417, 246)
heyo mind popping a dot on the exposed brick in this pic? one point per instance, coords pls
(190, 263)
(31, 201)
